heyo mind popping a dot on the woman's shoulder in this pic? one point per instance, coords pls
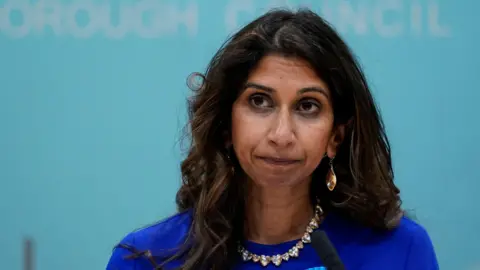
(408, 232)
(409, 235)
(408, 245)
(151, 245)
(166, 234)
(410, 229)
(420, 250)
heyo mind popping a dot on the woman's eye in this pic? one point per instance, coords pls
(308, 107)
(260, 101)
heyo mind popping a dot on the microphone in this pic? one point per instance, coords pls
(326, 251)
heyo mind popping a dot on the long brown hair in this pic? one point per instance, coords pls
(212, 185)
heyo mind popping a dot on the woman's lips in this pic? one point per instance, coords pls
(279, 161)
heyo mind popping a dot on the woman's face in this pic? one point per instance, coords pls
(282, 122)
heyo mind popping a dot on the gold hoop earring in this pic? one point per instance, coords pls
(331, 177)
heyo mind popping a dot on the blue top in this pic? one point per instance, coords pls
(408, 247)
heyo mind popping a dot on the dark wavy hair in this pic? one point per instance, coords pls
(212, 185)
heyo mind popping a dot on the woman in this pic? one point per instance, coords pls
(286, 140)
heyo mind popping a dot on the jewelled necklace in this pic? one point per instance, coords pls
(292, 252)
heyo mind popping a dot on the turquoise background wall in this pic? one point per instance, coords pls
(92, 102)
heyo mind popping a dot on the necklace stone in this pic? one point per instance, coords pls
(292, 252)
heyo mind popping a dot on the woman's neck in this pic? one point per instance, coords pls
(277, 215)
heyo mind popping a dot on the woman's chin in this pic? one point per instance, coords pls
(278, 179)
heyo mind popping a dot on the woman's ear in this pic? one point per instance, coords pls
(336, 139)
